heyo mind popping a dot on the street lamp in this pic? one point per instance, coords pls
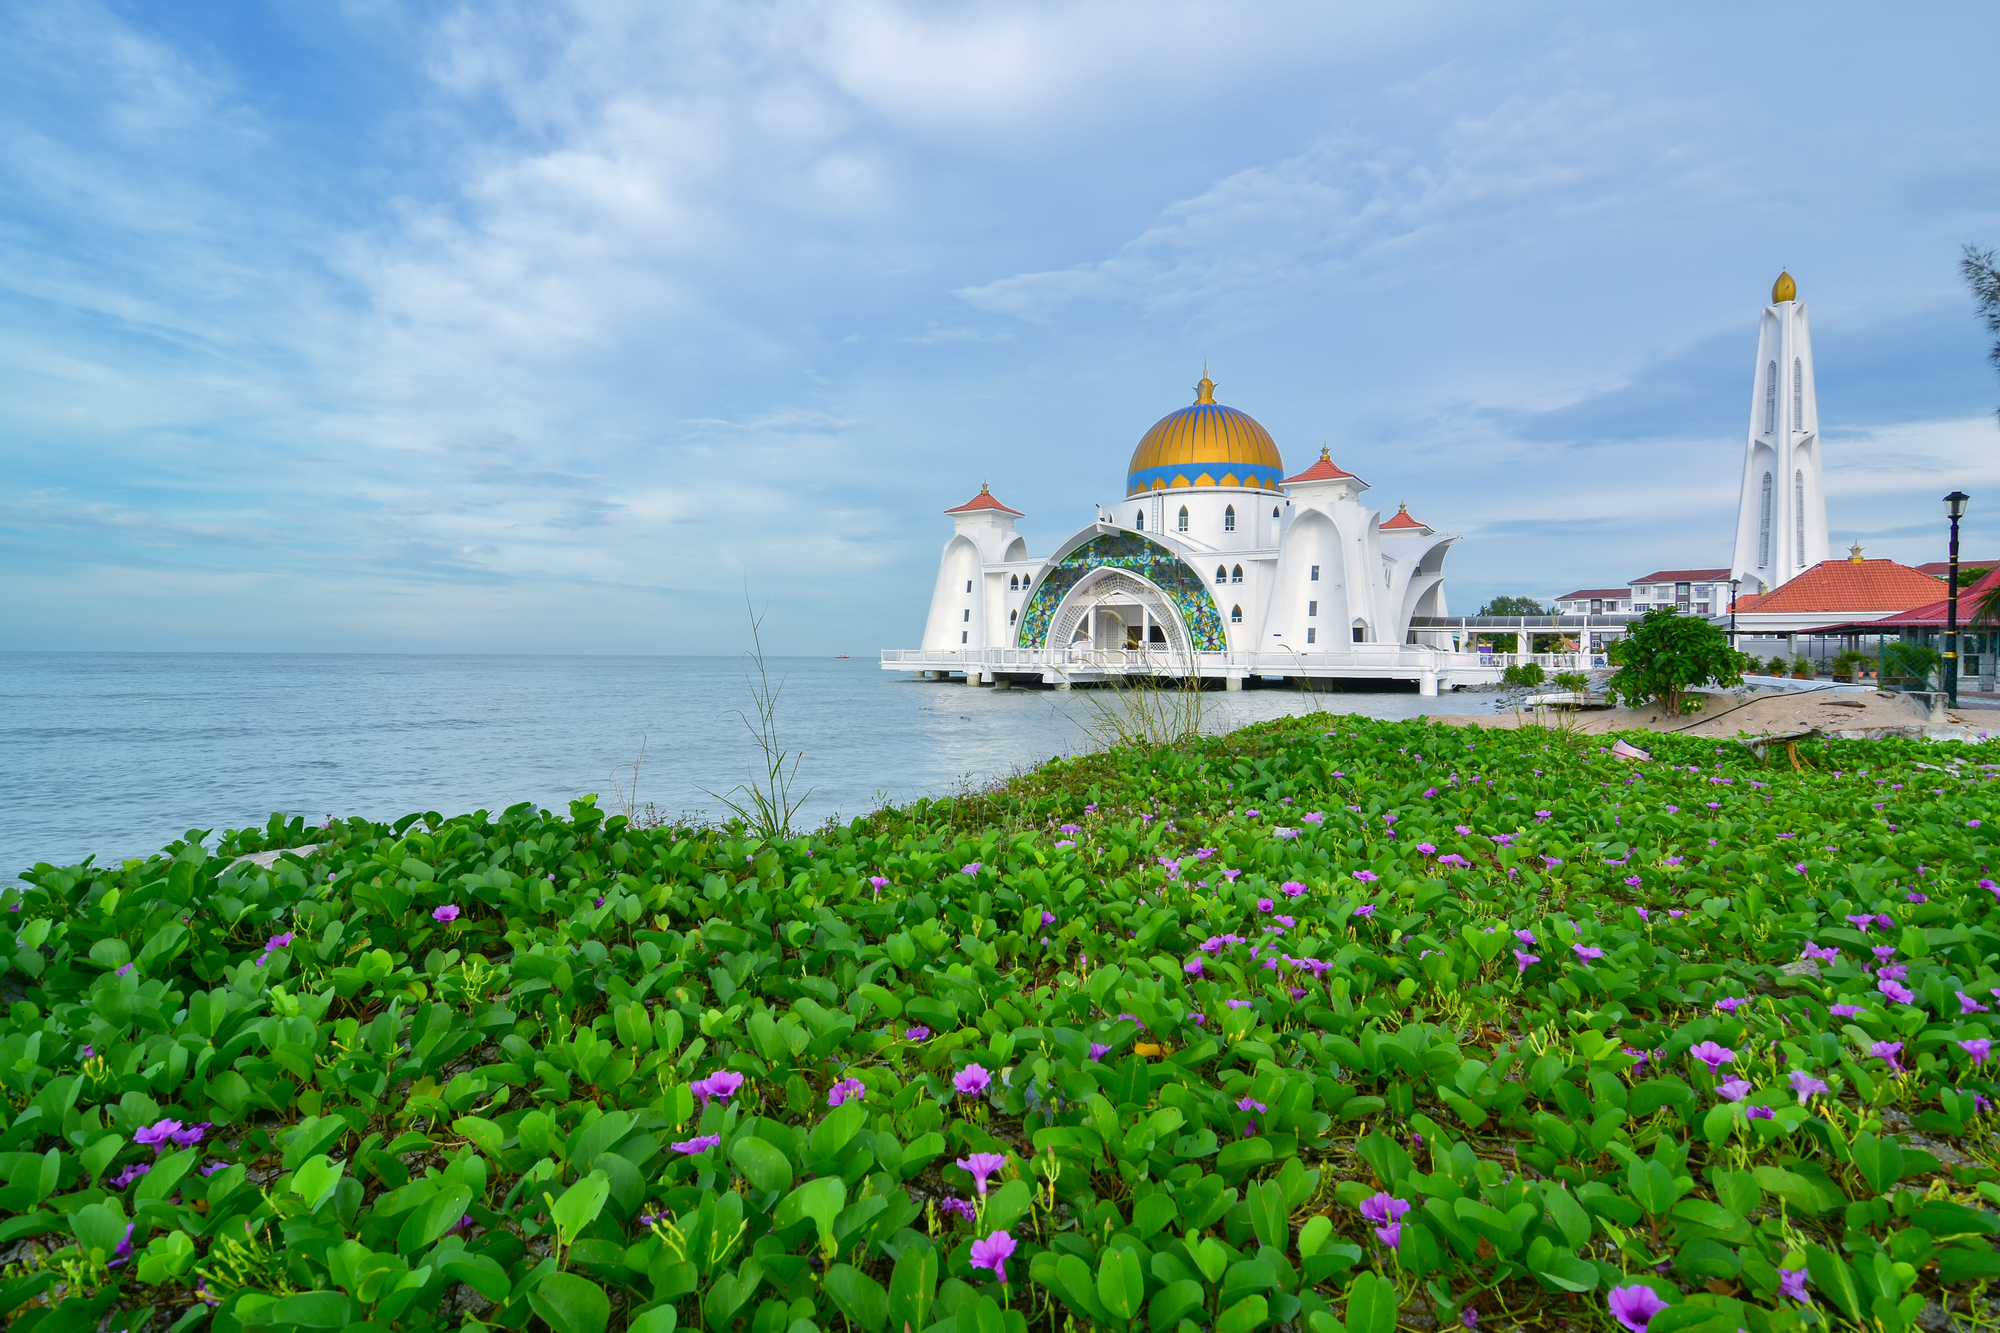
(1732, 610)
(1954, 506)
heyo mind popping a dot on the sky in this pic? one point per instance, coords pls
(361, 326)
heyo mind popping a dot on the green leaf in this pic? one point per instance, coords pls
(1879, 1160)
(912, 1285)
(1173, 1301)
(1121, 1283)
(571, 1304)
(1238, 1159)
(832, 1134)
(482, 1274)
(1270, 1219)
(98, 1226)
(761, 1164)
(1079, 1289)
(579, 1206)
(309, 1309)
(432, 1219)
(1371, 1305)
(1834, 1279)
(1245, 1315)
(859, 1296)
(316, 1179)
(1006, 1205)
(820, 1199)
(659, 1319)
(1153, 1212)
(1568, 1215)
(1314, 1234)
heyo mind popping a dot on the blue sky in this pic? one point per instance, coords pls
(365, 326)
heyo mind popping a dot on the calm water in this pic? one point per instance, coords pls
(118, 754)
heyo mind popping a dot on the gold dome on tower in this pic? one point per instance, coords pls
(1784, 289)
(1205, 444)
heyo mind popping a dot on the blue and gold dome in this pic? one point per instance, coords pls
(1206, 444)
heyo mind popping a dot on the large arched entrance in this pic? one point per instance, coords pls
(1111, 611)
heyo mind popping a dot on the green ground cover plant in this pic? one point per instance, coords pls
(1329, 1024)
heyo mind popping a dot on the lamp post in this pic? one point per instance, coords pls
(1732, 611)
(1954, 506)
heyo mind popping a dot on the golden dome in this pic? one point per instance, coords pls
(1784, 289)
(1205, 444)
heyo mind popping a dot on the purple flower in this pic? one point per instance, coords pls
(700, 1143)
(916, 1034)
(1712, 1055)
(1462, 830)
(1824, 955)
(211, 1169)
(599, 902)
(993, 1253)
(1886, 1052)
(1551, 862)
(721, 1085)
(1366, 876)
(1291, 888)
(157, 1135)
(87, 1053)
(1379, 1208)
(1895, 990)
(970, 1082)
(450, 913)
(1894, 972)
(1805, 1086)
(1735, 1090)
(1524, 961)
(878, 883)
(1526, 937)
(1315, 817)
(1427, 848)
(1252, 814)
(1979, 1048)
(1391, 1235)
(1587, 952)
(1098, 1050)
(1365, 910)
(847, 1090)
(1237, 1004)
(1915, 898)
(983, 1165)
(193, 1134)
(1760, 1113)
(1634, 1306)
(1251, 1104)
(124, 1251)
(129, 1174)
(1071, 828)
(963, 1207)
(1846, 1010)
(1792, 1285)
(1862, 922)
(1730, 1004)
(1634, 881)
(970, 867)
(1469, 1317)
(1265, 905)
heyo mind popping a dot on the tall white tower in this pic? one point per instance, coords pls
(1781, 515)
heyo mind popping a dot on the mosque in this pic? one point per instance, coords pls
(1216, 565)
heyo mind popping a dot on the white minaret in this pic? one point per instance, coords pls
(1781, 515)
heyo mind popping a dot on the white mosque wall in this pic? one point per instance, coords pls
(958, 601)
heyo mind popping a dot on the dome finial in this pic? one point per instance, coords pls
(1854, 554)
(1325, 454)
(1784, 289)
(1204, 392)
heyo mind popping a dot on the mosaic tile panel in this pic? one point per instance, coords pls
(1155, 563)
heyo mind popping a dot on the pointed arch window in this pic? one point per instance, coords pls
(1764, 527)
(1235, 615)
(1013, 583)
(1798, 393)
(1139, 520)
(1012, 616)
(1799, 512)
(1274, 511)
(1184, 518)
(1229, 518)
(1221, 574)
(1236, 574)
(1770, 398)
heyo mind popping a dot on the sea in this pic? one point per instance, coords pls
(115, 755)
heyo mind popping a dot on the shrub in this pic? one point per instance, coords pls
(1523, 674)
(1667, 654)
(1573, 680)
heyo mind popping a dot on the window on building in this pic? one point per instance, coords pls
(1011, 615)
(968, 613)
(1274, 511)
(1014, 583)
(1236, 574)
(1361, 634)
(1312, 608)
(1799, 512)
(1155, 634)
(1314, 576)
(1139, 521)
(1798, 393)
(1222, 574)
(962, 635)
(1235, 615)
(1184, 517)
(1770, 397)
(1229, 519)
(968, 585)
(1312, 636)
(1764, 526)
(1597, 603)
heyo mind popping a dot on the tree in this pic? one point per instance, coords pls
(1982, 274)
(1513, 606)
(1667, 654)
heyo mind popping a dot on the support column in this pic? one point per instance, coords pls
(1232, 684)
(1427, 685)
